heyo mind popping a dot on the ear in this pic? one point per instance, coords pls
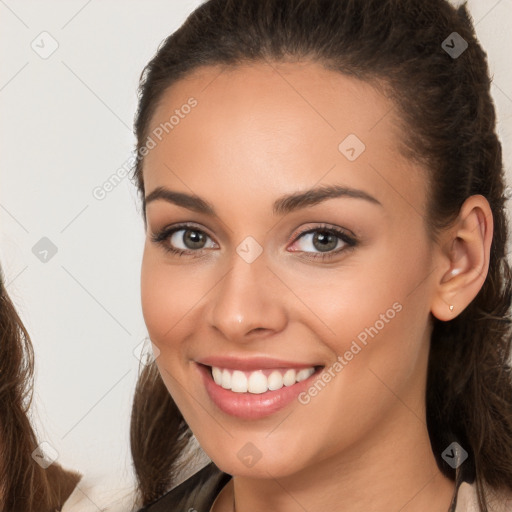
(463, 258)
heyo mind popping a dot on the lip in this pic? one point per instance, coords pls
(252, 364)
(253, 406)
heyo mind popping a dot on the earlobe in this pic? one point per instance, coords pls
(463, 259)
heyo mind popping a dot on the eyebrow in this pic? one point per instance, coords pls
(283, 205)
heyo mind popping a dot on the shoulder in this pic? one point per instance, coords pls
(95, 494)
(499, 501)
(197, 492)
(467, 499)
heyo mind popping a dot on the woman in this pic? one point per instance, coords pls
(28, 482)
(324, 273)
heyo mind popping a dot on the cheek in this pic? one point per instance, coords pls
(378, 308)
(167, 293)
(346, 300)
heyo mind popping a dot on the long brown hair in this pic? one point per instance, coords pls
(24, 485)
(449, 116)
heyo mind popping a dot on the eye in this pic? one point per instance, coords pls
(328, 241)
(189, 240)
(184, 239)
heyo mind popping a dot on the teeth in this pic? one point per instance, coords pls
(304, 374)
(275, 380)
(257, 382)
(238, 382)
(226, 379)
(217, 375)
(289, 377)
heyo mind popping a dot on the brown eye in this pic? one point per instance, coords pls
(183, 240)
(323, 242)
(190, 238)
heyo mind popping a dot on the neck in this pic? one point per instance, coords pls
(394, 470)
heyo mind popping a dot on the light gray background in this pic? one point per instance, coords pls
(65, 128)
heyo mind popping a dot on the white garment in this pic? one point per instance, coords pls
(467, 500)
(100, 495)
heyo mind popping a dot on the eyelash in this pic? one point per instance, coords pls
(162, 237)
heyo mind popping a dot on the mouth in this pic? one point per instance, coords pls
(258, 393)
(260, 381)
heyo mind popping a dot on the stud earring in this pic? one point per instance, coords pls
(451, 307)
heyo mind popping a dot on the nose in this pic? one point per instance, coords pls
(248, 302)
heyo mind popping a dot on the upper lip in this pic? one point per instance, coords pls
(251, 363)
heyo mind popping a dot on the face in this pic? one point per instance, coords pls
(253, 277)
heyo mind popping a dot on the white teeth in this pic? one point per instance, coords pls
(256, 382)
(275, 380)
(217, 375)
(289, 378)
(304, 374)
(226, 379)
(238, 382)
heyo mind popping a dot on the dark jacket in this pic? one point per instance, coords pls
(197, 493)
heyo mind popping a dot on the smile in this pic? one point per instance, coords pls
(259, 381)
(255, 394)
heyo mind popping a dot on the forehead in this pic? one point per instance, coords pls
(268, 126)
(301, 99)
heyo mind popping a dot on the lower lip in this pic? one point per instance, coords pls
(252, 406)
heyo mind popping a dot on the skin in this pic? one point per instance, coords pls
(261, 131)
